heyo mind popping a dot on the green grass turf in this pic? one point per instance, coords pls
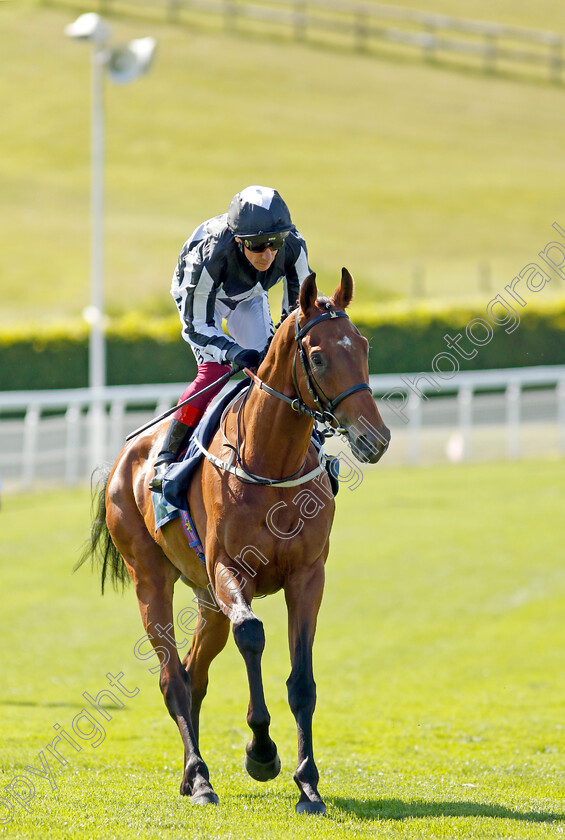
(438, 659)
(386, 162)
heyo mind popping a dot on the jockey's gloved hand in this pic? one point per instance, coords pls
(243, 358)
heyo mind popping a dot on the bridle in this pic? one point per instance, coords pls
(325, 407)
(324, 413)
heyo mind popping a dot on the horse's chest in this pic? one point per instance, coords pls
(270, 551)
(270, 533)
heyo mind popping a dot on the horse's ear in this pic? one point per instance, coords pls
(308, 294)
(343, 295)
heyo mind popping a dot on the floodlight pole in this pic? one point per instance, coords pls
(97, 338)
(97, 354)
(123, 64)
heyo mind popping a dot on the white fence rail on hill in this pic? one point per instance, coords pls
(366, 24)
(50, 436)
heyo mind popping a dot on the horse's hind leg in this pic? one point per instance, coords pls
(262, 761)
(303, 592)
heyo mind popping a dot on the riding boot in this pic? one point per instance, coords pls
(178, 435)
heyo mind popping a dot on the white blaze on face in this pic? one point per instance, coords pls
(344, 342)
(261, 196)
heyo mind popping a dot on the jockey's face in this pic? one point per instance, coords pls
(261, 260)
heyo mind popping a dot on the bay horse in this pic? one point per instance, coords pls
(248, 518)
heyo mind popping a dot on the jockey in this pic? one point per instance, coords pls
(225, 270)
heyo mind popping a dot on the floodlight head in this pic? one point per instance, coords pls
(129, 61)
(89, 27)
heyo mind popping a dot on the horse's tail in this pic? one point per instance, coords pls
(100, 546)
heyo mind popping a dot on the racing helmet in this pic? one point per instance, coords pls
(257, 212)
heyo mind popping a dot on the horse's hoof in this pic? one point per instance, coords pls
(263, 772)
(205, 797)
(311, 808)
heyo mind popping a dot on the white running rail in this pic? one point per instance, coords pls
(49, 436)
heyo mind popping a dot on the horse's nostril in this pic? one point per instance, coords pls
(370, 448)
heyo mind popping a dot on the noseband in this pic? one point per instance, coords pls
(325, 406)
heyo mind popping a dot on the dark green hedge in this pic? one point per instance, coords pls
(402, 339)
(409, 341)
(137, 353)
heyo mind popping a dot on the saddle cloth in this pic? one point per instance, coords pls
(165, 512)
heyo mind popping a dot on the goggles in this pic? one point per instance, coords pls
(257, 244)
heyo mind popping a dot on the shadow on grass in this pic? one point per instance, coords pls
(53, 705)
(397, 809)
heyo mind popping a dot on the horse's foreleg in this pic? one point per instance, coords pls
(303, 593)
(262, 761)
(155, 603)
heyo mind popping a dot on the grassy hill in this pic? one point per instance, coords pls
(391, 166)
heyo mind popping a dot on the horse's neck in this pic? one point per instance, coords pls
(275, 438)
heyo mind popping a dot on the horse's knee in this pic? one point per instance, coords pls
(199, 690)
(175, 688)
(249, 636)
(301, 693)
(197, 695)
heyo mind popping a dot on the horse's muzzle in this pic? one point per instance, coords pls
(369, 447)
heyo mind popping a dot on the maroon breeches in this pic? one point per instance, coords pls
(208, 373)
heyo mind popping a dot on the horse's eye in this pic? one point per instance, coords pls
(317, 359)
